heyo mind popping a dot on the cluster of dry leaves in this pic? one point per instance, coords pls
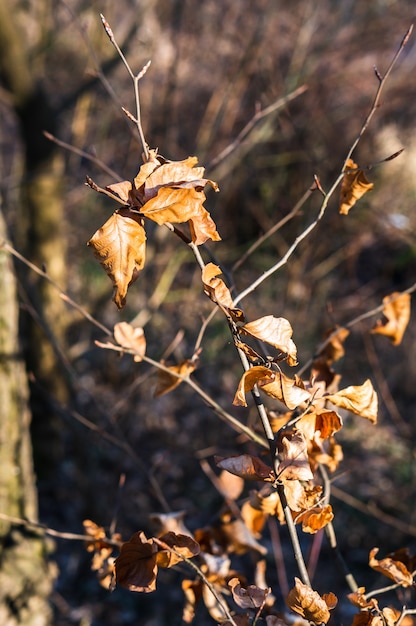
(304, 428)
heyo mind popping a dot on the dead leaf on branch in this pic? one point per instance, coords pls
(395, 570)
(247, 467)
(361, 400)
(120, 246)
(218, 292)
(315, 519)
(251, 597)
(167, 382)
(183, 547)
(274, 384)
(309, 604)
(275, 331)
(136, 567)
(354, 186)
(294, 464)
(397, 314)
(127, 336)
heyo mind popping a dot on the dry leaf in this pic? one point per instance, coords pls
(354, 186)
(358, 599)
(127, 336)
(218, 292)
(315, 519)
(397, 313)
(167, 382)
(170, 522)
(251, 597)
(334, 349)
(248, 380)
(185, 548)
(120, 246)
(193, 593)
(246, 466)
(136, 567)
(308, 603)
(395, 570)
(276, 331)
(294, 464)
(286, 390)
(230, 485)
(239, 539)
(361, 400)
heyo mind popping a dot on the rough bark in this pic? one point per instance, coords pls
(25, 576)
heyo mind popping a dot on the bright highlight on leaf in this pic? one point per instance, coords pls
(274, 384)
(395, 570)
(164, 192)
(354, 186)
(167, 381)
(218, 292)
(132, 338)
(251, 597)
(397, 314)
(361, 400)
(308, 603)
(276, 331)
(120, 246)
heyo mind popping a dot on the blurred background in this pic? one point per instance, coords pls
(215, 63)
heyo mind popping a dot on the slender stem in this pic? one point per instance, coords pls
(220, 600)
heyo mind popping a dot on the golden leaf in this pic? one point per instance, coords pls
(397, 313)
(316, 518)
(286, 390)
(167, 382)
(354, 186)
(127, 336)
(308, 603)
(218, 292)
(120, 246)
(276, 331)
(395, 570)
(248, 380)
(361, 400)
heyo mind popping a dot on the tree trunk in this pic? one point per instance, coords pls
(25, 576)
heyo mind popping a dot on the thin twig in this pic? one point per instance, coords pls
(220, 600)
(135, 79)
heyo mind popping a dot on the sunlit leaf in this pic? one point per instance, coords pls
(184, 546)
(276, 331)
(358, 599)
(334, 349)
(286, 390)
(246, 466)
(249, 379)
(218, 292)
(230, 485)
(361, 400)
(192, 590)
(308, 603)
(395, 570)
(120, 246)
(251, 597)
(239, 539)
(170, 522)
(127, 336)
(354, 186)
(315, 519)
(167, 382)
(397, 314)
(294, 464)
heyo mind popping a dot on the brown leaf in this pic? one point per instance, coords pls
(248, 380)
(167, 382)
(315, 519)
(395, 570)
(308, 603)
(334, 349)
(218, 292)
(185, 545)
(136, 567)
(127, 336)
(294, 464)
(230, 485)
(193, 593)
(286, 390)
(253, 518)
(397, 313)
(276, 331)
(170, 522)
(120, 246)
(239, 539)
(251, 597)
(358, 599)
(354, 186)
(361, 400)
(247, 467)
(325, 423)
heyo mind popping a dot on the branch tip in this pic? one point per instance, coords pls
(107, 28)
